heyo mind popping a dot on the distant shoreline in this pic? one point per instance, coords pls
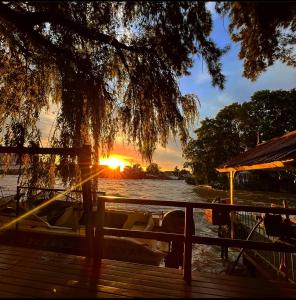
(161, 177)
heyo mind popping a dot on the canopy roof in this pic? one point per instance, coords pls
(278, 152)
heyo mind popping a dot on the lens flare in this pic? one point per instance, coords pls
(32, 211)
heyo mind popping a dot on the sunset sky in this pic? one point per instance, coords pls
(237, 89)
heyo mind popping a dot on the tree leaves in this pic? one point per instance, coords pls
(266, 33)
(238, 127)
(107, 80)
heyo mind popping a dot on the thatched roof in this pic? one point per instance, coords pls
(278, 152)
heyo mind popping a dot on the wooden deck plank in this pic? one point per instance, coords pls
(9, 290)
(105, 270)
(137, 284)
(116, 262)
(43, 282)
(62, 289)
(12, 295)
(23, 269)
(168, 289)
(233, 280)
(213, 289)
(111, 287)
(211, 286)
(145, 274)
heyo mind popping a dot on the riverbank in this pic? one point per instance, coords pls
(246, 196)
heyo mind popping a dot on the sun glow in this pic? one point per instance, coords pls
(114, 162)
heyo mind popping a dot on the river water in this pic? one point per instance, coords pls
(205, 258)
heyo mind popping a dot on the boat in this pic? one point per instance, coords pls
(67, 219)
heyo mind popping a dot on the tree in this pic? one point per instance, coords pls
(236, 128)
(218, 139)
(134, 172)
(273, 113)
(112, 66)
(193, 154)
(184, 174)
(153, 169)
(176, 171)
(266, 32)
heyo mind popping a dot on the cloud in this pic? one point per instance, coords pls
(168, 161)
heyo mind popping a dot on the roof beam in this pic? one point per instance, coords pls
(270, 165)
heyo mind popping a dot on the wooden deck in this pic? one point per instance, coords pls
(34, 273)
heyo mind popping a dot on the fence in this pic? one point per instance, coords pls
(271, 259)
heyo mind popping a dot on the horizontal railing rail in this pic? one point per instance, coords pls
(188, 238)
(52, 189)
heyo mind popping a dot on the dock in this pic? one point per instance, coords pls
(35, 273)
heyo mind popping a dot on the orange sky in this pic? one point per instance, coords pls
(166, 158)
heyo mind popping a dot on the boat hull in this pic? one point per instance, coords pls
(117, 248)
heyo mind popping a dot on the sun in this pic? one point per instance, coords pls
(113, 162)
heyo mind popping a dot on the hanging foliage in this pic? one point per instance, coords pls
(112, 67)
(265, 30)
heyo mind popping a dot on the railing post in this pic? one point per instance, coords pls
(188, 244)
(17, 206)
(232, 202)
(99, 228)
(85, 162)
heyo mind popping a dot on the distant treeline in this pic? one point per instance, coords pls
(238, 127)
(136, 171)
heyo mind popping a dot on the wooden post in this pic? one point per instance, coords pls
(99, 228)
(85, 162)
(232, 201)
(17, 206)
(188, 244)
(231, 177)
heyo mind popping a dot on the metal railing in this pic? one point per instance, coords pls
(271, 259)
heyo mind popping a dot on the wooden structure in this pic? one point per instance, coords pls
(95, 235)
(188, 238)
(35, 273)
(277, 153)
(84, 158)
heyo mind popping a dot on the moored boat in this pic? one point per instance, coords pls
(63, 218)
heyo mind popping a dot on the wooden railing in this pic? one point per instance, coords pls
(188, 237)
(84, 156)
